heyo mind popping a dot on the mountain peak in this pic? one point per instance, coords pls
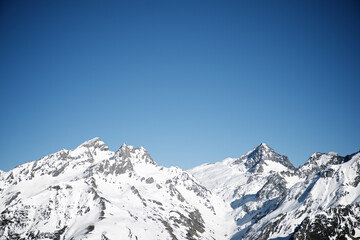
(322, 160)
(125, 147)
(95, 143)
(262, 153)
(263, 147)
(260, 198)
(137, 155)
(124, 151)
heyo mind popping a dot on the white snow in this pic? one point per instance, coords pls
(77, 189)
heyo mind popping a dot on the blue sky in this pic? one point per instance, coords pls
(191, 81)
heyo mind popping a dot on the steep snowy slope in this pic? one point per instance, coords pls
(273, 200)
(312, 205)
(252, 184)
(93, 193)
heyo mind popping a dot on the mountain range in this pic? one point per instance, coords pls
(93, 193)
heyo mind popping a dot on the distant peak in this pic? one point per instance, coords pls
(96, 143)
(125, 150)
(262, 153)
(324, 159)
(124, 147)
(91, 141)
(317, 155)
(333, 153)
(264, 146)
(130, 152)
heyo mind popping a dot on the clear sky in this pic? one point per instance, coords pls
(191, 81)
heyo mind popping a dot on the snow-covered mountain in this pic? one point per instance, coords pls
(273, 200)
(93, 193)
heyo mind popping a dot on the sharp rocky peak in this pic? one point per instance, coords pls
(126, 159)
(256, 157)
(320, 159)
(263, 149)
(136, 155)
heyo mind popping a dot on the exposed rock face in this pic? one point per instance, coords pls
(255, 159)
(341, 222)
(320, 161)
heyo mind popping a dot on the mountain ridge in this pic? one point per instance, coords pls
(91, 192)
(261, 198)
